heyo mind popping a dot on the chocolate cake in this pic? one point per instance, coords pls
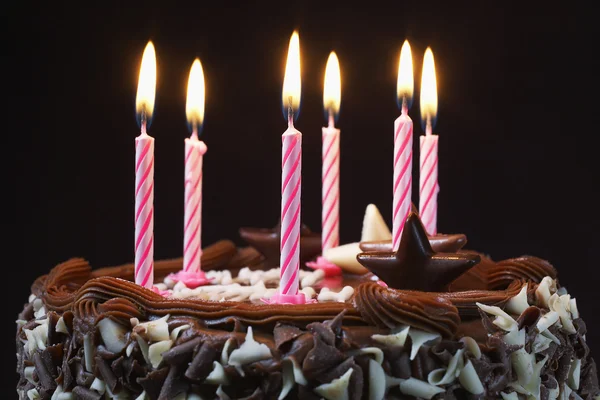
(433, 320)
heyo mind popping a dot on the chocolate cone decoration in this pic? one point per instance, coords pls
(416, 266)
(267, 241)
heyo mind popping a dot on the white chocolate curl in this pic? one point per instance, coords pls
(518, 303)
(337, 389)
(418, 388)
(502, 320)
(249, 352)
(470, 380)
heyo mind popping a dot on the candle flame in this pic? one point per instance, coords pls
(194, 106)
(144, 100)
(291, 81)
(429, 98)
(332, 91)
(405, 85)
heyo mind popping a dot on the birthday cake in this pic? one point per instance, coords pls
(432, 320)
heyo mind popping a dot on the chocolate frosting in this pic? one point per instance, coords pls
(267, 242)
(527, 268)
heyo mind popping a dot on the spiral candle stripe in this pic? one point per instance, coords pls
(144, 210)
(192, 238)
(330, 188)
(428, 182)
(403, 128)
(290, 211)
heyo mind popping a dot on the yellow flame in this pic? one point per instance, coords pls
(291, 81)
(144, 100)
(332, 91)
(405, 85)
(429, 98)
(194, 106)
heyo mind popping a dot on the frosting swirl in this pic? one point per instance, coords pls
(527, 268)
(385, 307)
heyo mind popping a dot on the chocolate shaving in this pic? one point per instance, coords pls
(323, 331)
(82, 377)
(153, 382)
(182, 353)
(301, 346)
(44, 370)
(106, 372)
(283, 333)
(320, 358)
(174, 385)
(201, 365)
(82, 393)
(529, 317)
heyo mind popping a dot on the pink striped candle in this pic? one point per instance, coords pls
(330, 190)
(291, 184)
(144, 209)
(403, 143)
(192, 237)
(428, 171)
(144, 173)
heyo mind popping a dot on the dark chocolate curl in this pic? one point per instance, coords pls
(47, 382)
(174, 385)
(323, 331)
(82, 393)
(201, 365)
(320, 358)
(153, 382)
(107, 374)
(301, 347)
(284, 333)
(182, 353)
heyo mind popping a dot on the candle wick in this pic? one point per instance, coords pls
(194, 134)
(428, 127)
(143, 120)
(331, 119)
(290, 112)
(404, 105)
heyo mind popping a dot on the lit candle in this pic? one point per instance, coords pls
(330, 212)
(330, 189)
(192, 275)
(291, 165)
(144, 172)
(428, 172)
(403, 132)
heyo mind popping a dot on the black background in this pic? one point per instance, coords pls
(517, 122)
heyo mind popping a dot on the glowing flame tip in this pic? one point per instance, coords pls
(194, 106)
(292, 82)
(144, 100)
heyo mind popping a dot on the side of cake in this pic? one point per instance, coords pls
(503, 329)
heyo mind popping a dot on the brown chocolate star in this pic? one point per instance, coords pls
(267, 241)
(449, 243)
(415, 266)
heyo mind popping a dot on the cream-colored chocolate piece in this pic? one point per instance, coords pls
(533, 387)
(344, 256)
(545, 289)
(227, 349)
(61, 326)
(471, 346)
(33, 394)
(250, 351)
(36, 338)
(312, 278)
(32, 297)
(88, 352)
(379, 381)
(28, 374)
(113, 335)
(469, 379)
(221, 395)
(565, 392)
(60, 394)
(175, 332)
(547, 320)
(394, 339)
(98, 385)
(419, 338)
(540, 343)
(291, 374)
(142, 396)
(560, 304)
(518, 303)
(521, 361)
(193, 396)
(129, 349)
(155, 331)
(376, 352)
(574, 310)
(445, 376)
(502, 320)
(419, 388)
(374, 227)
(143, 347)
(156, 350)
(217, 376)
(337, 389)
(574, 374)
(343, 295)
(509, 396)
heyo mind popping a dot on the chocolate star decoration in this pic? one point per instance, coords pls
(415, 266)
(449, 243)
(267, 241)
